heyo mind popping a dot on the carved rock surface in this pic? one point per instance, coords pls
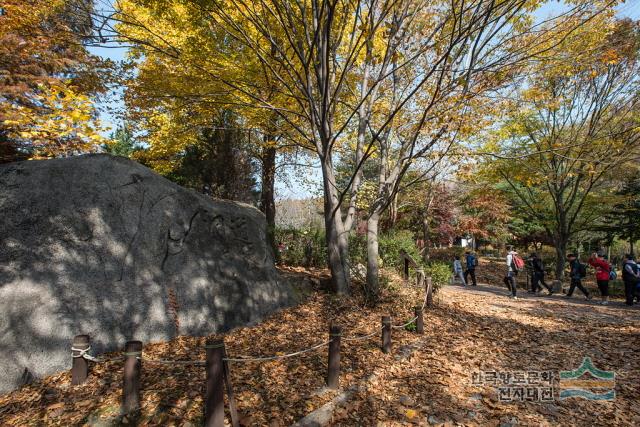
(101, 245)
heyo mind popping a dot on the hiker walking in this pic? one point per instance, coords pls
(537, 274)
(603, 275)
(577, 273)
(457, 270)
(512, 271)
(471, 262)
(630, 277)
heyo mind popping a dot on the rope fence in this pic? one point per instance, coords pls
(276, 357)
(217, 363)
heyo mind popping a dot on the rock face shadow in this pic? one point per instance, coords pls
(101, 245)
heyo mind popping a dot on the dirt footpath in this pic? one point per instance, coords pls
(479, 335)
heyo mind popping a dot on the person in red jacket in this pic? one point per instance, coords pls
(603, 268)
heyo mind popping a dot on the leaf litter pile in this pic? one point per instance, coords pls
(425, 380)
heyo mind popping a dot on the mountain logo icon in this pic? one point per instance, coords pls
(588, 382)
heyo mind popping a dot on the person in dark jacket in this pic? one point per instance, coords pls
(576, 275)
(630, 277)
(603, 269)
(471, 262)
(537, 274)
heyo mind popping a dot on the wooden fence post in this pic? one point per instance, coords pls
(231, 399)
(429, 291)
(386, 334)
(333, 374)
(214, 393)
(79, 365)
(132, 369)
(419, 320)
(419, 278)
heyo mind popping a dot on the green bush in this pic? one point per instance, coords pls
(390, 245)
(439, 272)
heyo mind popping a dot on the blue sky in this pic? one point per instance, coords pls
(292, 186)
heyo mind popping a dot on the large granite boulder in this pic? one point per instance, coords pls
(101, 245)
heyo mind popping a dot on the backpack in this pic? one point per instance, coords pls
(471, 261)
(582, 270)
(518, 262)
(612, 274)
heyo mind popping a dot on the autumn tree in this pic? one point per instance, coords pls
(573, 124)
(484, 213)
(190, 74)
(384, 81)
(48, 79)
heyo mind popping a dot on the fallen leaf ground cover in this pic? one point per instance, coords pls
(481, 329)
(425, 380)
(267, 393)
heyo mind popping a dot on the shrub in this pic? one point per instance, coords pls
(439, 272)
(390, 245)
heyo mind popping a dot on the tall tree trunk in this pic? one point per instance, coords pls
(337, 236)
(425, 236)
(267, 197)
(393, 211)
(561, 250)
(373, 283)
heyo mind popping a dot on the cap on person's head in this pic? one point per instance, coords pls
(600, 254)
(467, 252)
(629, 256)
(572, 256)
(457, 256)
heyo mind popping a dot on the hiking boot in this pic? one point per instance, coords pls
(550, 292)
(604, 303)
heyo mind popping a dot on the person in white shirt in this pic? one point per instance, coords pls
(510, 278)
(458, 271)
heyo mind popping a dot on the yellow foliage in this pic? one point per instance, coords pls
(65, 129)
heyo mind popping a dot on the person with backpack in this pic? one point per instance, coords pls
(514, 264)
(630, 277)
(603, 275)
(578, 271)
(537, 274)
(457, 270)
(471, 262)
